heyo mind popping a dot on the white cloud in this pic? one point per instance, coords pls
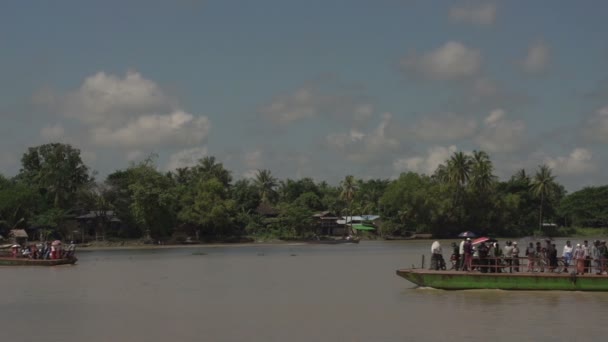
(579, 161)
(596, 126)
(186, 158)
(537, 59)
(359, 146)
(479, 14)
(52, 132)
(309, 102)
(500, 134)
(103, 97)
(444, 127)
(451, 61)
(428, 163)
(178, 128)
(130, 112)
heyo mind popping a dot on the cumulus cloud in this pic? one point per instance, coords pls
(309, 101)
(537, 59)
(103, 97)
(579, 161)
(428, 163)
(360, 146)
(476, 14)
(596, 126)
(130, 112)
(186, 158)
(178, 128)
(444, 127)
(52, 132)
(451, 61)
(500, 134)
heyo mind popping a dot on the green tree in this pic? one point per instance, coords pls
(266, 185)
(153, 200)
(543, 186)
(349, 190)
(57, 169)
(482, 172)
(587, 207)
(209, 206)
(459, 169)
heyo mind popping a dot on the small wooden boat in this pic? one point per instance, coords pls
(9, 261)
(333, 241)
(459, 280)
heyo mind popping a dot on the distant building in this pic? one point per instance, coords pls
(18, 236)
(326, 223)
(97, 223)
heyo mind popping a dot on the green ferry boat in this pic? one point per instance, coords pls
(529, 281)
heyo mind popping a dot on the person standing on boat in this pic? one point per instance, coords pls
(603, 254)
(595, 256)
(587, 251)
(468, 255)
(507, 252)
(531, 254)
(455, 257)
(461, 254)
(515, 257)
(71, 250)
(580, 257)
(482, 249)
(567, 255)
(436, 255)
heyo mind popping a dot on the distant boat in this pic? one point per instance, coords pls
(459, 280)
(332, 241)
(9, 261)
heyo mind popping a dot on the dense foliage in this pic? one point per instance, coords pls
(54, 186)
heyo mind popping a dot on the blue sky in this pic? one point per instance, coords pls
(316, 89)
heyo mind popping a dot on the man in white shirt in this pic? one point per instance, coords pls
(567, 255)
(461, 252)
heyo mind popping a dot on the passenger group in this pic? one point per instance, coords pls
(490, 257)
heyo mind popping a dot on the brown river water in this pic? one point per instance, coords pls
(277, 293)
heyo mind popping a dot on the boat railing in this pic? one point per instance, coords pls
(530, 264)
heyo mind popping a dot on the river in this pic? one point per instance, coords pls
(276, 293)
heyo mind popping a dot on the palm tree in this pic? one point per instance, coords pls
(521, 176)
(266, 185)
(459, 168)
(349, 188)
(482, 171)
(543, 186)
(209, 167)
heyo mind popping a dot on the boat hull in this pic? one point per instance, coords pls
(36, 262)
(455, 280)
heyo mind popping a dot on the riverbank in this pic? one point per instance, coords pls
(140, 244)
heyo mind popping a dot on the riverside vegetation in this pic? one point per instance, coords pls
(54, 185)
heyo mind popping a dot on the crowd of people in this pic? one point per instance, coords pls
(43, 251)
(489, 256)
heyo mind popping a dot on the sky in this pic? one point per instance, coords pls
(319, 89)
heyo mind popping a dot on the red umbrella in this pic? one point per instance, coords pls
(483, 239)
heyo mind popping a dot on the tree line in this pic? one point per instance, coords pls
(54, 186)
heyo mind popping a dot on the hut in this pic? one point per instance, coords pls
(18, 236)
